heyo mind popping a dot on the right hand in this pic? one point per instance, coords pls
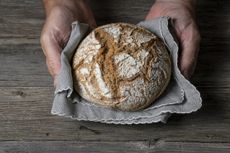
(186, 29)
(57, 28)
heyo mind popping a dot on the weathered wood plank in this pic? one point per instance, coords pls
(63, 129)
(21, 19)
(25, 103)
(192, 147)
(25, 114)
(112, 147)
(23, 65)
(120, 11)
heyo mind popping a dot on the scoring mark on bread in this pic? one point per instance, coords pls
(119, 63)
(105, 61)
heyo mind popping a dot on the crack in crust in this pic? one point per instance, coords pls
(121, 66)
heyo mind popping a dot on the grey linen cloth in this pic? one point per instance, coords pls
(179, 97)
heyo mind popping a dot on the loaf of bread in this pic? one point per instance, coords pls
(121, 66)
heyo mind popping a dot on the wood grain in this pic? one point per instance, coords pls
(112, 147)
(25, 114)
(26, 89)
(23, 65)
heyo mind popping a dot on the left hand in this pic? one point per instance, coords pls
(57, 28)
(182, 12)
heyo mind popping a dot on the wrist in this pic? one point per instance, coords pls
(76, 10)
(72, 6)
(188, 3)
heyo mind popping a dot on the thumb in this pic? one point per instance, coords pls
(189, 52)
(52, 51)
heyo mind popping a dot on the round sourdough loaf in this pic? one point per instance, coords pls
(121, 66)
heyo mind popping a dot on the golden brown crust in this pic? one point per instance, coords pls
(121, 66)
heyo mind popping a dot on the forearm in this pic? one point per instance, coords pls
(50, 4)
(78, 9)
(187, 2)
(190, 4)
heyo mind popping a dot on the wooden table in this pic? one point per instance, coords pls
(26, 90)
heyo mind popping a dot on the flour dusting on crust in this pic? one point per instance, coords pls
(121, 66)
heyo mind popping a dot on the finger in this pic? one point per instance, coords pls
(52, 51)
(190, 41)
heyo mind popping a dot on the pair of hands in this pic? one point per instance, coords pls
(60, 14)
